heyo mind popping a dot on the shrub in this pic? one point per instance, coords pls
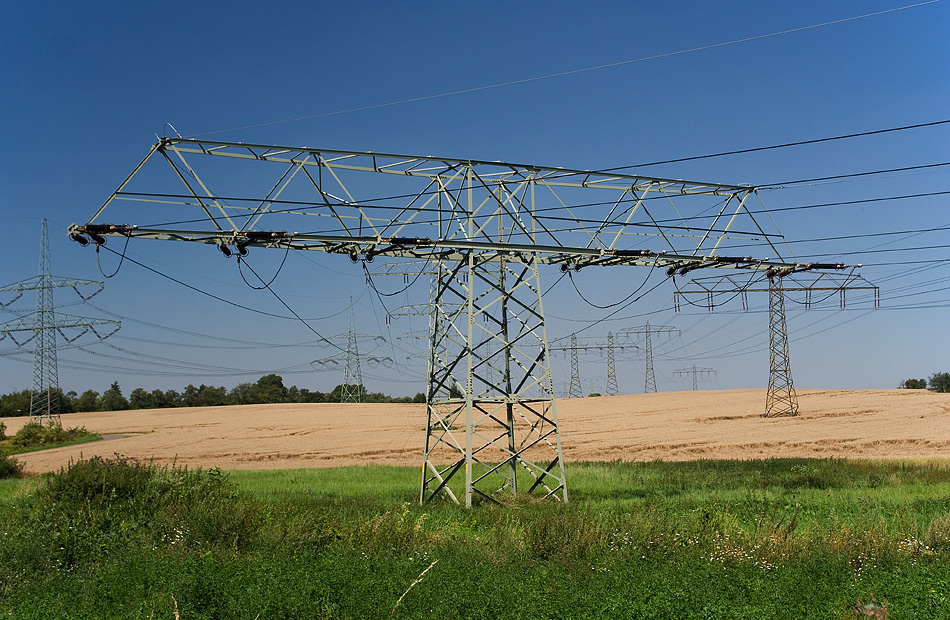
(34, 434)
(10, 467)
(940, 382)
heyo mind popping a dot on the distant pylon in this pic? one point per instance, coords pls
(612, 388)
(575, 390)
(781, 399)
(695, 372)
(44, 399)
(649, 382)
(43, 325)
(352, 390)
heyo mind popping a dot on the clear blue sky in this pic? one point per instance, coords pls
(87, 86)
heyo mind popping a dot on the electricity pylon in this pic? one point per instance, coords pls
(649, 381)
(612, 389)
(781, 399)
(352, 389)
(575, 390)
(486, 229)
(44, 323)
(596, 347)
(696, 373)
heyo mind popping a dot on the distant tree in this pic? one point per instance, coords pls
(171, 398)
(189, 398)
(244, 394)
(419, 398)
(940, 382)
(112, 399)
(210, 396)
(15, 404)
(87, 401)
(140, 399)
(913, 384)
(270, 389)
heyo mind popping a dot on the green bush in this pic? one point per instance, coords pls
(10, 467)
(33, 435)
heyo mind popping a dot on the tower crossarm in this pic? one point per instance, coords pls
(452, 249)
(239, 196)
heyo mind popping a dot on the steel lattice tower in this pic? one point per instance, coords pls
(612, 389)
(44, 398)
(696, 373)
(781, 399)
(42, 326)
(575, 390)
(352, 388)
(352, 391)
(649, 382)
(486, 306)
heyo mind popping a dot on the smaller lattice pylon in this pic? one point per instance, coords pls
(649, 381)
(352, 389)
(43, 324)
(696, 373)
(612, 389)
(592, 346)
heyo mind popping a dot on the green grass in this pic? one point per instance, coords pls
(781, 538)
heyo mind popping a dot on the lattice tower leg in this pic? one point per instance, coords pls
(44, 398)
(489, 315)
(781, 399)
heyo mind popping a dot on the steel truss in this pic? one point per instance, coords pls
(484, 229)
(781, 399)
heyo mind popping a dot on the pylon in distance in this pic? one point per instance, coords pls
(575, 391)
(612, 388)
(352, 390)
(781, 399)
(44, 398)
(696, 373)
(649, 381)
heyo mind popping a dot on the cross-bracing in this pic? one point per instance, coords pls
(486, 229)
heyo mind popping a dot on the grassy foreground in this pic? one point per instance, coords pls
(710, 539)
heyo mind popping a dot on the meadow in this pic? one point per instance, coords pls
(774, 538)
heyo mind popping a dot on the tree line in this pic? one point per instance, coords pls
(938, 382)
(267, 389)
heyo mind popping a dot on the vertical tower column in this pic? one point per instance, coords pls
(488, 321)
(575, 390)
(352, 390)
(649, 381)
(612, 388)
(44, 398)
(781, 399)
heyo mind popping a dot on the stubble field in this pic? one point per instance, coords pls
(674, 426)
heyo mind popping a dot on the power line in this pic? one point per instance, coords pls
(571, 72)
(780, 146)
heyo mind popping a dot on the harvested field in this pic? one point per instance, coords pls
(727, 424)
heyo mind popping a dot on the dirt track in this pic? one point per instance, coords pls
(670, 426)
